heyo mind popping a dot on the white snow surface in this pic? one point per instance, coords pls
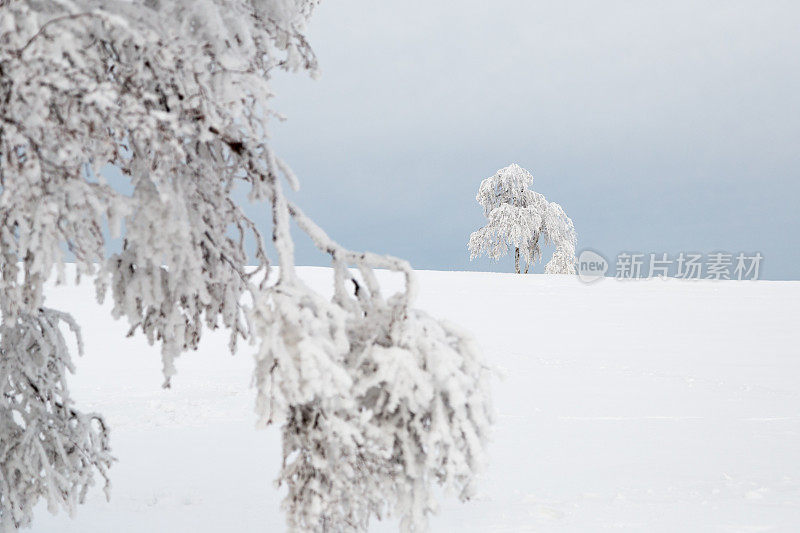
(658, 405)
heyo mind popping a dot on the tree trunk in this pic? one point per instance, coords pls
(516, 259)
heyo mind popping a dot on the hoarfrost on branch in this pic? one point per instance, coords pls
(377, 401)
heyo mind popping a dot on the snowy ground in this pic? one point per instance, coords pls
(626, 406)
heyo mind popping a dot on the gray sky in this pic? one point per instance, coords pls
(658, 126)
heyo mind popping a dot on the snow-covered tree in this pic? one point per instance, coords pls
(524, 220)
(377, 401)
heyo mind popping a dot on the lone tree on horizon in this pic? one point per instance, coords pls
(523, 219)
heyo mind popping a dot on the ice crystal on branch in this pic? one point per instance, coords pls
(377, 401)
(523, 219)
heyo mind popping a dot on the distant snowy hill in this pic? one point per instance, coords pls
(627, 406)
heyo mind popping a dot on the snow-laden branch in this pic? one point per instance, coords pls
(48, 448)
(377, 401)
(365, 261)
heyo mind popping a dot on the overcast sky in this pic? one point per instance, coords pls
(658, 126)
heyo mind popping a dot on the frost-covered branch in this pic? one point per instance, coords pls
(377, 401)
(48, 449)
